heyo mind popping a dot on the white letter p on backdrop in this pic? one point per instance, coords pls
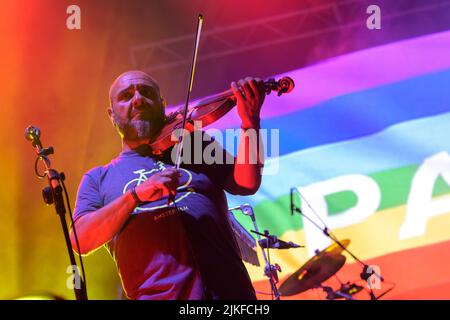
(368, 196)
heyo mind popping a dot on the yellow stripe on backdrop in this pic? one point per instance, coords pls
(376, 236)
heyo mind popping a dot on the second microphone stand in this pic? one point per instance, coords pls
(367, 270)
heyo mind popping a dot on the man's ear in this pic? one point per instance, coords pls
(111, 116)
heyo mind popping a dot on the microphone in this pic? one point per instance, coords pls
(272, 242)
(33, 134)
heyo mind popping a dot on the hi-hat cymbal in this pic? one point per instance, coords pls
(316, 270)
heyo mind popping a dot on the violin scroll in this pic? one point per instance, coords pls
(284, 85)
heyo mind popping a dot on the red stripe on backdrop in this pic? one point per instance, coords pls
(419, 273)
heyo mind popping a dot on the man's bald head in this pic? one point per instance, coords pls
(137, 108)
(124, 79)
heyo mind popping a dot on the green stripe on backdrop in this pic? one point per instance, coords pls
(394, 185)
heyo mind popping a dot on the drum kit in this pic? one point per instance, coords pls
(324, 265)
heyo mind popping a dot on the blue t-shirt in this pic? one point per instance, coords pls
(184, 251)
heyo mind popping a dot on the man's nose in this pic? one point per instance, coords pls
(138, 100)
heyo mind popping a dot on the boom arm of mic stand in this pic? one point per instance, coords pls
(335, 240)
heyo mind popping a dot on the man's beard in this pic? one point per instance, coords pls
(137, 129)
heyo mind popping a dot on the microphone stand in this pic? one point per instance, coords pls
(365, 274)
(270, 271)
(272, 241)
(53, 194)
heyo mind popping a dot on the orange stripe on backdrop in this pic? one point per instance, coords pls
(419, 273)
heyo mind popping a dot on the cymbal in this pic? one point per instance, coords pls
(316, 270)
(335, 248)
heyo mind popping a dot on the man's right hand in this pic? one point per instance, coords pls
(159, 185)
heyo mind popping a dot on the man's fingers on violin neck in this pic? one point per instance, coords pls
(247, 89)
(255, 82)
(251, 80)
(255, 88)
(236, 91)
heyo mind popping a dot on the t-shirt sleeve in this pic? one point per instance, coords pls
(88, 196)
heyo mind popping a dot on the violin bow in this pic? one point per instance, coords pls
(189, 90)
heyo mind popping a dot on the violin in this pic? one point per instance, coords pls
(207, 111)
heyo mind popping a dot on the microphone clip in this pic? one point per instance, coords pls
(45, 152)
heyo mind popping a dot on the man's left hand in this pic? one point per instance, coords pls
(250, 94)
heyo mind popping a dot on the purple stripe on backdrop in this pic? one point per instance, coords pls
(355, 72)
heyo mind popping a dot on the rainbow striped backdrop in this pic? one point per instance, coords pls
(366, 138)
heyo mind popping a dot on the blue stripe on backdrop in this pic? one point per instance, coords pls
(400, 145)
(363, 113)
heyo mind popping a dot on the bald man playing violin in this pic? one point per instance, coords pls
(179, 250)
